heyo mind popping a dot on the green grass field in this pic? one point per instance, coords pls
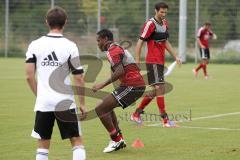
(203, 139)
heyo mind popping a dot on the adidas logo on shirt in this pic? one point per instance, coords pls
(51, 60)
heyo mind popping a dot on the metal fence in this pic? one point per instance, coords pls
(24, 20)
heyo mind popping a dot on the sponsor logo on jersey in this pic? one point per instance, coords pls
(51, 60)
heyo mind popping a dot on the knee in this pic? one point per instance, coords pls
(205, 62)
(76, 141)
(152, 94)
(43, 143)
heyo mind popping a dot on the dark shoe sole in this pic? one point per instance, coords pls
(121, 146)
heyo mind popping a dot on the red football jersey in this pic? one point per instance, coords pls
(204, 35)
(132, 77)
(155, 50)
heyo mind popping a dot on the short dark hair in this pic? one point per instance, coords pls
(56, 17)
(160, 5)
(207, 23)
(105, 33)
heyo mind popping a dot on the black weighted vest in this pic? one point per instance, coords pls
(160, 34)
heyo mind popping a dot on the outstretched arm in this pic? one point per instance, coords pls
(118, 72)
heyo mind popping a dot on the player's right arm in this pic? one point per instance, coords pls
(138, 50)
(30, 77)
(115, 57)
(30, 68)
(199, 34)
(118, 72)
(147, 29)
(200, 43)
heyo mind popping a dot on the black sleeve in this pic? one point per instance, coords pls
(144, 39)
(77, 71)
(74, 70)
(31, 60)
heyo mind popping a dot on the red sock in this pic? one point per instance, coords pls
(161, 104)
(199, 66)
(115, 136)
(118, 138)
(120, 134)
(146, 100)
(205, 69)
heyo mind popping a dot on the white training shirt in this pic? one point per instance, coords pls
(49, 53)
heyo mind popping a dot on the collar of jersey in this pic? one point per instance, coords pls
(158, 21)
(113, 43)
(55, 35)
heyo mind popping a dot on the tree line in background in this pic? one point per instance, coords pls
(26, 18)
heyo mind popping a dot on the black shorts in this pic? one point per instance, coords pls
(44, 122)
(204, 53)
(155, 73)
(126, 95)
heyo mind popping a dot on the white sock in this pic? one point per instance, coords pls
(42, 154)
(79, 153)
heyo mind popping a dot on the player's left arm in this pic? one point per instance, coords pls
(213, 35)
(30, 70)
(172, 52)
(118, 72)
(78, 77)
(79, 82)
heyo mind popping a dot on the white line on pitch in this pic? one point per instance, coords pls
(216, 116)
(224, 129)
(207, 117)
(6, 78)
(192, 127)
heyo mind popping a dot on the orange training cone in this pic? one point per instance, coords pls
(137, 143)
